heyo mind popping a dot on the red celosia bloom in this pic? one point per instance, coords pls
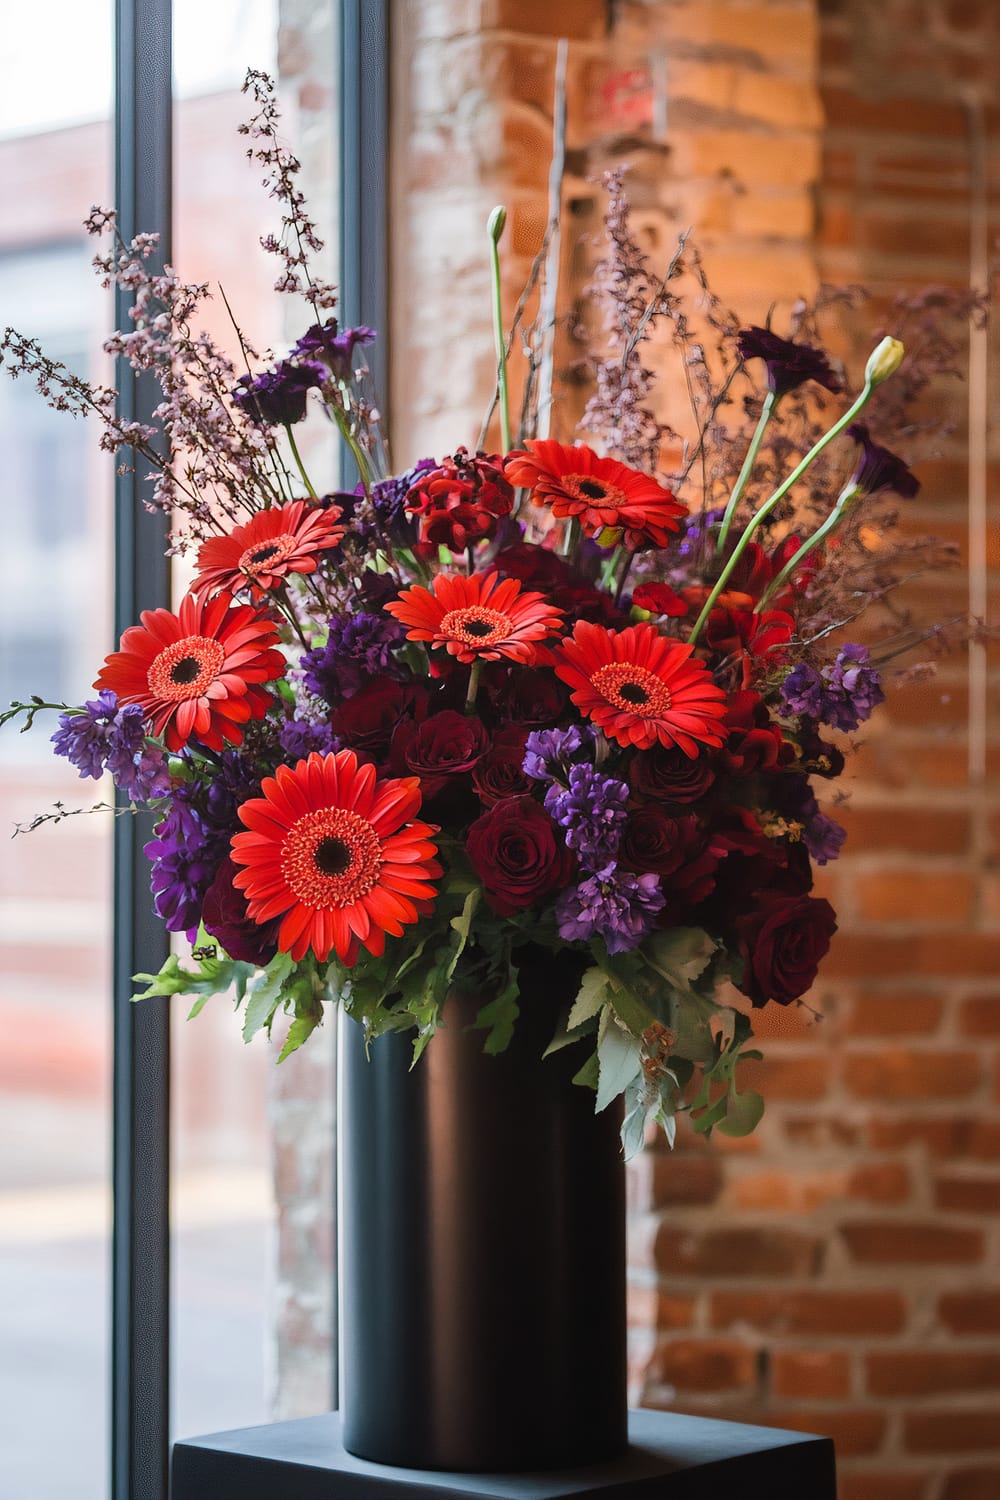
(478, 616)
(334, 854)
(279, 541)
(641, 688)
(197, 674)
(603, 494)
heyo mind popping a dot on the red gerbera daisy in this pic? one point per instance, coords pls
(641, 688)
(333, 853)
(196, 674)
(604, 495)
(477, 616)
(276, 542)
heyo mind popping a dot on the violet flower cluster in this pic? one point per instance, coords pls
(102, 737)
(358, 647)
(842, 695)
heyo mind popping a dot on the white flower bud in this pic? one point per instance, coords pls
(884, 360)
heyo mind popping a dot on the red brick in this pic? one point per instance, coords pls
(979, 1015)
(951, 1430)
(969, 1195)
(847, 110)
(704, 1364)
(685, 1179)
(745, 1252)
(853, 1432)
(972, 1484)
(844, 1314)
(783, 1076)
(817, 1376)
(895, 1242)
(869, 1486)
(898, 1073)
(930, 1372)
(940, 1135)
(880, 1182)
(901, 895)
(867, 956)
(898, 1013)
(974, 1312)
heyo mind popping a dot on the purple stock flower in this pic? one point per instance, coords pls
(185, 854)
(84, 737)
(548, 753)
(820, 834)
(591, 813)
(878, 469)
(616, 905)
(853, 689)
(358, 647)
(278, 397)
(298, 738)
(335, 350)
(388, 502)
(789, 365)
(103, 737)
(802, 691)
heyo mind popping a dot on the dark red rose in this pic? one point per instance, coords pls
(531, 696)
(516, 851)
(782, 941)
(670, 775)
(224, 915)
(366, 722)
(534, 567)
(500, 774)
(445, 745)
(653, 843)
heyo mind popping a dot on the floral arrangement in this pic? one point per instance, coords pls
(545, 696)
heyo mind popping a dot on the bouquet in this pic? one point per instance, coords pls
(400, 737)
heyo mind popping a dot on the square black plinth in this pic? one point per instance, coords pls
(669, 1458)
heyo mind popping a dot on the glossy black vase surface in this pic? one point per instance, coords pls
(482, 1247)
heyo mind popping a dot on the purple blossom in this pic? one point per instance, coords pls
(591, 813)
(299, 738)
(697, 528)
(335, 350)
(548, 753)
(789, 365)
(820, 834)
(802, 692)
(278, 397)
(878, 469)
(853, 689)
(103, 737)
(388, 499)
(616, 905)
(185, 853)
(358, 647)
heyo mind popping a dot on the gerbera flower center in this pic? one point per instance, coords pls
(584, 487)
(185, 669)
(632, 689)
(475, 625)
(254, 559)
(331, 857)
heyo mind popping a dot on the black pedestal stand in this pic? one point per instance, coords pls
(669, 1458)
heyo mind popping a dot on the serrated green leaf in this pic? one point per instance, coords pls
(743, 1115)
(499, 1016)
(619, 1056)
(587, 1076)
(591, 997)
(171, 980)
(462, 926)
(266, 995)
(300, 1030)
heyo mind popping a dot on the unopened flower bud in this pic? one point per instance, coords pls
(496, 222)
(884, 360)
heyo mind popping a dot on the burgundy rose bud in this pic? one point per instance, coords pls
(516, 851)
(669, 775)
(366, 722)
(531, 696)
(654, 843)
(445, 745)
(500, 774)
(782, 941)
(224, 917)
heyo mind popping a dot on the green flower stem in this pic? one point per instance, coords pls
(495, 226)
(360, 458)
(475, 671)
(796, 560)
(770, 402)
(623, 576)
(610, 569)
(298, 461)
(779, 495)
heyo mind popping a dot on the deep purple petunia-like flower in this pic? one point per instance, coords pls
(299, 738)
(358, 648)
(789, 365)
(617, 905)
(853, 688)
(83, 738)
(185, 853)
(277, 398)
(549, 753)
(802, 691)
(103, 737)
(878, 469)
(591, 813)
(335, 350)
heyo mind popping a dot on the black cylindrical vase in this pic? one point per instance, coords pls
(482, 1248)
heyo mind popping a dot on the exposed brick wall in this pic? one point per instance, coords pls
(838, 1271)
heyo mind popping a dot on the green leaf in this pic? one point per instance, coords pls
(300, 1030)
(213, 976)
(266, 995)
(587, 1076)
(591, 998)
(500, 1015)
(462, 925)
(743, 1115)
(680, 955)
(619, 1056)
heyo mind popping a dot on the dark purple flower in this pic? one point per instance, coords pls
(298, 738)
(335, 350)
(278, 397)
(820, 834)
(878, 469)
(789, 365)
(802, 691)
(616, 905)
(388, 503)
(358, 648)
(852, 689)
(83, 737)
(185, 853)
(103, 737)
(591, 813)
(549, 753)
(696, 529)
